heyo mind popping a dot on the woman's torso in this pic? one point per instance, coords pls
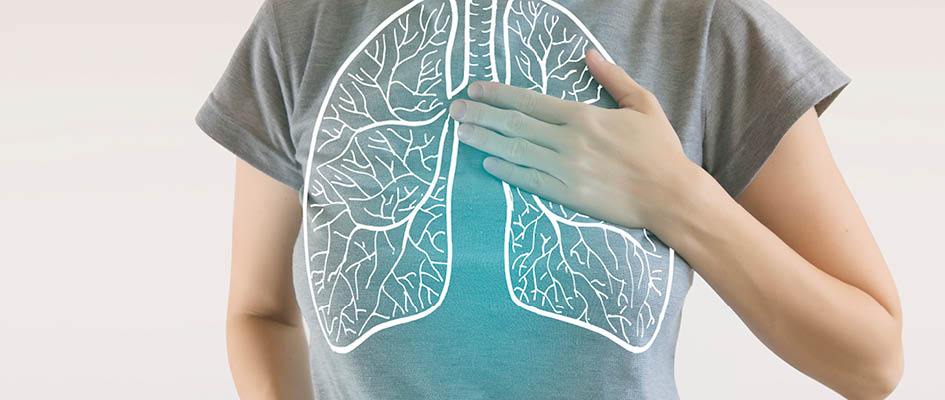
(421, 276)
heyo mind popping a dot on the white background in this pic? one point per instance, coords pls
(115, 209)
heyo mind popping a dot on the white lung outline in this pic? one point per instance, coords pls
(305, 195)
(509, 207)
(451, 92)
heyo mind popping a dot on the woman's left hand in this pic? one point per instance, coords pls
(618, 165)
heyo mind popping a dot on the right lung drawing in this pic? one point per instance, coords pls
(376, 201)
(379, 173)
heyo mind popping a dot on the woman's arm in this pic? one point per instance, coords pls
(796, 260)
(265, 340)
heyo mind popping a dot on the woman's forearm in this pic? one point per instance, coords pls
(268, 359)
(824, 327)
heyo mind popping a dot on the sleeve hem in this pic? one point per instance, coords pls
(765, 132)
(225, 131)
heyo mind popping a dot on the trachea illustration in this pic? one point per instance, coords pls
(381, 168)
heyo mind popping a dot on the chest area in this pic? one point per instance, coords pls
(395, 210)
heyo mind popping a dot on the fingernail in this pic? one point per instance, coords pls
(458, 109)
(597, 56)
(475, 90)
(489, 163)
(464, 132)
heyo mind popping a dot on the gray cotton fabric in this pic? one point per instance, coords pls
(418, 275)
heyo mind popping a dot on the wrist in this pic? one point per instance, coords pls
(688, 194)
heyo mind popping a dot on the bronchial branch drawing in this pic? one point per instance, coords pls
(380, 173)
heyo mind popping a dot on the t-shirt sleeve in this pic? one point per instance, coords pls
(248, 111)
(762, 74)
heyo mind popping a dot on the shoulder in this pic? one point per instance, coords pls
(295, 11)
(752, 11)
(689, 11)
(301, 19)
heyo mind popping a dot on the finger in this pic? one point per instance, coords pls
(510, 123)
(530, 180)
(515, 150)
(529, 102)
(627, 92)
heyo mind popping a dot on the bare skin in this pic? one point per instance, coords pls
(795, 260)
(265, 340)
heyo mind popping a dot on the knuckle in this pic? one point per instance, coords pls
(515, 121)
(527, 102)
(581, 165)
(535, 180)
(580, 191)
(475, 135)
(648, 96)
(475, 114)
(518, 147)
(588, 194)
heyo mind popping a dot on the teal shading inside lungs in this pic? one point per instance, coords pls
(381, 168)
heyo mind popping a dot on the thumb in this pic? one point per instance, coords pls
(627, 92)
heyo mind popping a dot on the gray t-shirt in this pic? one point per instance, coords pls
(422, 277)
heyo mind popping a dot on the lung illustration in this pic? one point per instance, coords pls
(376, 202)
